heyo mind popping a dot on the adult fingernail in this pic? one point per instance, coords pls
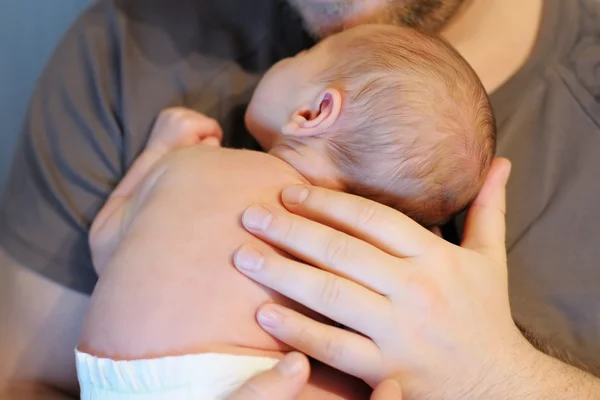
(269, 317)
(507, 172)
(394, 386)
(294, 194)
(248, 258)
(257, 218)
(389, 388)
(291, 365)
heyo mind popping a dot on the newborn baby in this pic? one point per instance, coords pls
(379, 111)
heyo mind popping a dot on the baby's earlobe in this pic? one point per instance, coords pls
(289, 129)
(294, 125)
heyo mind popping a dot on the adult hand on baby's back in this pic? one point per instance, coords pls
(434, 315)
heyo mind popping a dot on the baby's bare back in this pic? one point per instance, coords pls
(171, 288)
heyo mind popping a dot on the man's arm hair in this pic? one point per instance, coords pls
(532, 374)
(553, 351)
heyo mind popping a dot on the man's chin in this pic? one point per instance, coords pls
(423, 15)
(319, 27)
(322, 18)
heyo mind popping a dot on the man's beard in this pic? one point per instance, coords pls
(424, 15)
(324, 17)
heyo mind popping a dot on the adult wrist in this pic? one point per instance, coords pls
(529, 374)
(508, 374)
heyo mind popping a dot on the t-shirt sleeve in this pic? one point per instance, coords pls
(121, 63)
(68, 158)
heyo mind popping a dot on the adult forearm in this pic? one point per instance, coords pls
(558, 380)
(32, 391)
(541, 377)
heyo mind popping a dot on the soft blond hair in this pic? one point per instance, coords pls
(416, 131)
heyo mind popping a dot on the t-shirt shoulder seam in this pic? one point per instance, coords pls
(586, 108)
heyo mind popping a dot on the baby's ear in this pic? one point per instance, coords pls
(315, 119)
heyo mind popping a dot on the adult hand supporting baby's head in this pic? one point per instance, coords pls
(422, 306)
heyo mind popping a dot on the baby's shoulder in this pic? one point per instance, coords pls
(235, 166)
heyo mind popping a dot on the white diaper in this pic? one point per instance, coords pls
(202, 376)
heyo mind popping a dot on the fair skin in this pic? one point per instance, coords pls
(400, 286)
(283, 382)
(291, 113)
(141, 298)
(145, 194)
(474, 32)
(532, 375)
(146, 302)
(148, 291)
(51, 316)
(166, 136)
(170, 197)
(286, 380)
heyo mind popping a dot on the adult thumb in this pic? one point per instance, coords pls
(485, 227)
(388, 389)
(283, 382)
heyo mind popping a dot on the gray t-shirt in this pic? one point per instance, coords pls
(124, 61)
(120, 64)
(548, 118)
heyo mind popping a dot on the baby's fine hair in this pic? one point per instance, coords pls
(416, 131)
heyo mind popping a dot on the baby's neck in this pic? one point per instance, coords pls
(308, 162)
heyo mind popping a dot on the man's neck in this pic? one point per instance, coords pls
(495, 36)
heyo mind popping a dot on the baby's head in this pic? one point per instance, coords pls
(384, 112)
